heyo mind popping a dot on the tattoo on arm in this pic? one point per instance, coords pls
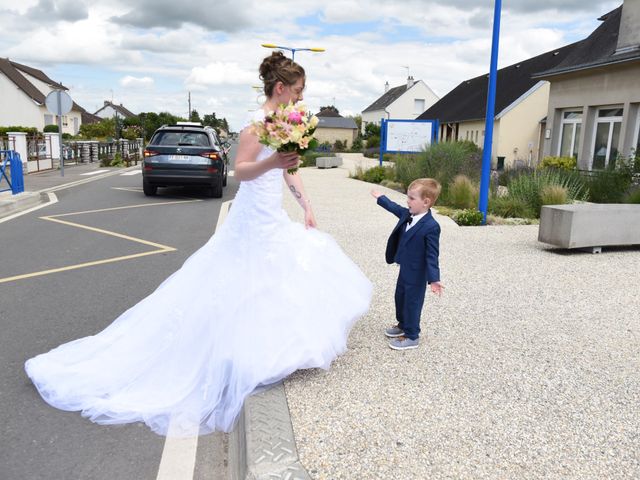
(295, 192)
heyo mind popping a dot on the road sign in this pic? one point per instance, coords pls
(59, 107)
(59, 103)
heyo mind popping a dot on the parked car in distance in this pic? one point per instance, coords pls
(185, 154)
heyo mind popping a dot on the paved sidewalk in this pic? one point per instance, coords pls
(37, 184)
(528, 365)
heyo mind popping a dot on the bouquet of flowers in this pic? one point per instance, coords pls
(289, 128)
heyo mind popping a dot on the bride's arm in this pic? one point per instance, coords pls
(246, 167)
(294, 182)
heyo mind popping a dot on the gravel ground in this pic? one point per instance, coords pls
(527, 368)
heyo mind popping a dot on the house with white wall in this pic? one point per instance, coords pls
(405, 102)
(23, 91)
(111, 110)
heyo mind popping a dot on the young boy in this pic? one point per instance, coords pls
(414, 244)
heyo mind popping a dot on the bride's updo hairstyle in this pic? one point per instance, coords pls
(278, 68)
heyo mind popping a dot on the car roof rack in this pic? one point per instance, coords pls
(189, 124)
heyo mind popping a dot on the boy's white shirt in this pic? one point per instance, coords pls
(416, 219)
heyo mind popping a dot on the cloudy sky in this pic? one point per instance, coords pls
(148, 54)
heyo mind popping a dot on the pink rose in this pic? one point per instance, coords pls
(295, 117)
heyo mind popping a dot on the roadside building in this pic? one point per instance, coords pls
(404, 102)
(594, 100)
(23, 91)
(521, 104)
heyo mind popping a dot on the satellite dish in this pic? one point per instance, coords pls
(65, 102)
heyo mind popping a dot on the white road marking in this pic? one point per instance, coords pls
(132, 172)
(178, 457)
(178, 460)
(232, 173)
(100, 170)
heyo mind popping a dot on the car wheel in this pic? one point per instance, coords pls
(215, 190)
(148, 189)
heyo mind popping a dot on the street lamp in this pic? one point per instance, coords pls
(292, 50)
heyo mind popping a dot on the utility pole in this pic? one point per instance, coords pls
(189, 106)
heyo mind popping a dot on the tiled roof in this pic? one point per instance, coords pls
(468, 101)
(597, 50)
(336, 122)
(388, 98)
(119, 108)
(14, 72)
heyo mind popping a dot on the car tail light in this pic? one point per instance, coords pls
(149, 153)
(212, 170)
(147, 167)
(211, 155)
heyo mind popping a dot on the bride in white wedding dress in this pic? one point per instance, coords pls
(262, 298)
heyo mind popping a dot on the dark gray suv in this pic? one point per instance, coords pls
(185, 154)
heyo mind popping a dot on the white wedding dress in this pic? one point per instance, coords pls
(261, 299)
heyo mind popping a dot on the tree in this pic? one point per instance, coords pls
(103, 129)
(328, 111)
(195, 116)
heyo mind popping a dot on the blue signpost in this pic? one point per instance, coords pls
(406, 136)
(485, 177)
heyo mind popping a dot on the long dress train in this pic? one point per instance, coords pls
(261, 299)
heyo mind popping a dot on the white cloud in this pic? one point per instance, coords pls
(219, 73)
(136, 82)
(151, 53)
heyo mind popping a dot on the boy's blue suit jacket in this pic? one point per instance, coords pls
(417, 249)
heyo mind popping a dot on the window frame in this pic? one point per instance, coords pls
(611, 121)
(573, 122)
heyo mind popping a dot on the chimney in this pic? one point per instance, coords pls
(629, 31)
(386, 87)
(106, 102)
(410, 82)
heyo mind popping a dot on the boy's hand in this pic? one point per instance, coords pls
(437, 288)
(376, 194)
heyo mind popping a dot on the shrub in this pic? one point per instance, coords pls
(356, 146)
(117, 160)
(373, 141)
(468, 217)
(506, 176)
(442, 161)
(633, 196)
(50, 129)
(377, 174)
(29, 130)
(339, 146)
(528, 188)
(565, 163)
(553, 195)
(509, 207)
(610, 185)
(393, 185)
(462, 193)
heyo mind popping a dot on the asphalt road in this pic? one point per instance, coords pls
(39, 311)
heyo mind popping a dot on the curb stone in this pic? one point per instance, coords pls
(262, 446)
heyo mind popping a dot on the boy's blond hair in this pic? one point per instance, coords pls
(428, 188)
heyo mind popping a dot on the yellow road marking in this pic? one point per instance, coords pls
(83, 265)
(54, 218)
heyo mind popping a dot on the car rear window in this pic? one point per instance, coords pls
(193, 139)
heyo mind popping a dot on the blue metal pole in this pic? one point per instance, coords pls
(485, 178)
(383, 138)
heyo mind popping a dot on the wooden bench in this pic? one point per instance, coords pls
(590, 225)
(328, 162)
